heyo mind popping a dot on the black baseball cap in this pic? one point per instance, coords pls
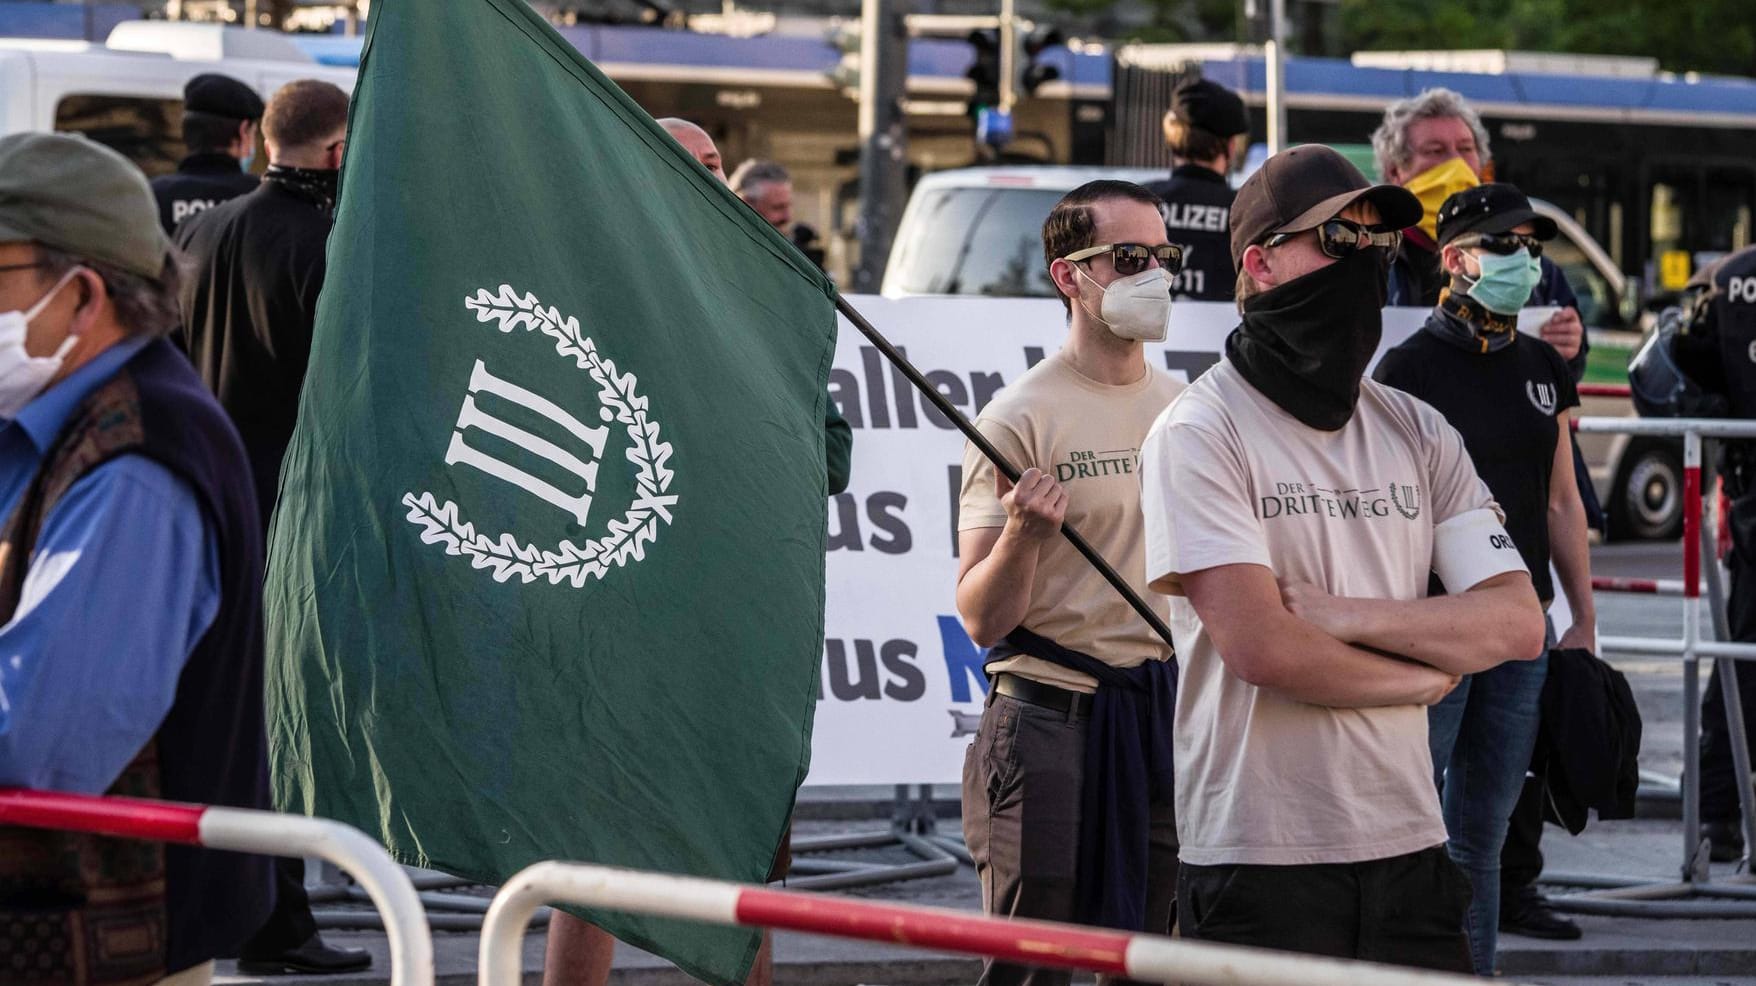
(221, 95)
(1211, 107)
(1491, 208)
(1304, 187)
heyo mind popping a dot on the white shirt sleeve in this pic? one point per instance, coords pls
(1195, 494)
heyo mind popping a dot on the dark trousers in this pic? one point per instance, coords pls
(1521, 858)
(1022, 778)
(1719, 784)
(1406, 910)
(290, 924)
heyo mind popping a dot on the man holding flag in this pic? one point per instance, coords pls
(547, 575)
(1067, 785)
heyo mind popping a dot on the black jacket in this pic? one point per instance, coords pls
(249, 305)
(1198, 208)
(200, 182)
(1588, 746)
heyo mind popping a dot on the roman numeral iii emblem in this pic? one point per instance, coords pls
(1407, 499)
(472, 417)
(1542, 396)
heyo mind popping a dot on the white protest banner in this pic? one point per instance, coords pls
(902, 684)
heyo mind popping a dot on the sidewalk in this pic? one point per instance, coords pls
(1712, 951)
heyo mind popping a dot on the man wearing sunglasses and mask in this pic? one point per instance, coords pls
(1509, 394)
(1293, 514)
(1066, 803)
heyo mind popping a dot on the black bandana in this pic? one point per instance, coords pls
(1306, 343)
(1467, 324)
(315, 184)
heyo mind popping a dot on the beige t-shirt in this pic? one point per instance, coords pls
(1087, 435)
(1228, 478)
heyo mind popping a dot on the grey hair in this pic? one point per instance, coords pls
(145, 307)
(757, 172)
(1390, 141)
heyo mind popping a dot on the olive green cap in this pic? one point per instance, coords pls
(79, 197)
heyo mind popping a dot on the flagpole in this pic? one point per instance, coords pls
(1000, 462)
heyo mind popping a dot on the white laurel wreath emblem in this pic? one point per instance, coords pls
(627, 538)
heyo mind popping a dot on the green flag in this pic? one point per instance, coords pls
(546, 574)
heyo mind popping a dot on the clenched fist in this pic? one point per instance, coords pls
(1035, 505)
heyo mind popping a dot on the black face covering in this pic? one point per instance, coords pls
(1306, 343)
(317, 184)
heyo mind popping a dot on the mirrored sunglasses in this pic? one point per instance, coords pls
(1341, 238)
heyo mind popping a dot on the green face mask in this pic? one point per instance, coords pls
(1506, 281)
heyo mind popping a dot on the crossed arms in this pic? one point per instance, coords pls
(1312, 647)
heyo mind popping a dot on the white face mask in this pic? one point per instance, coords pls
(1136, 307)
(23, 376)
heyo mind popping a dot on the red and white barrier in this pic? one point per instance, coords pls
(266, 832)
(1147, 958)
(1650, 587)
(1604, 390)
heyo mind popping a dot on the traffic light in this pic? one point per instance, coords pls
(845, 76)
(984, 72)
(1035, 73)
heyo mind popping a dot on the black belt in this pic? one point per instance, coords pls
(1072, 704)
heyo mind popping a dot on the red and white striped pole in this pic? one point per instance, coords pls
(240, 830)
(1650, 587)
(1147, 958)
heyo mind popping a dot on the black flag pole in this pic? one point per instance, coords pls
(1000, 462)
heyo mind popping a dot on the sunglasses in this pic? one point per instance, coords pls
(1505, 244)
(1341, 238)
(1132, 258)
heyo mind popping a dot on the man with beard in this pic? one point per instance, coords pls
(249, 307)
(1293, 513)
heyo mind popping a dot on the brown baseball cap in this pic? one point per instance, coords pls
(1302, 188)
(78, 196)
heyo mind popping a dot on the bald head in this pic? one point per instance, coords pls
(696, 141)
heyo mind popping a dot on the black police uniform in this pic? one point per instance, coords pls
(201, 181)
(1197, 211)
(1719, 354)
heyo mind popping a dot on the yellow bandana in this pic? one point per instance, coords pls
(1436, 184)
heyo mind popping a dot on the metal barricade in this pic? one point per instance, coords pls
(241, 830)
(1624, 897)
(1144, 958)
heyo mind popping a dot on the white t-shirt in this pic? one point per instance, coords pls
(1228, 478)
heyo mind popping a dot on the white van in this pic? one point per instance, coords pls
(127, 93)
(978, 231)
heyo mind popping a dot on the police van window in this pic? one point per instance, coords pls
(928, 258)
(1598, 307)
(147, 131)
(1004, 254)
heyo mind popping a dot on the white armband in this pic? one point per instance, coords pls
(1472, 547)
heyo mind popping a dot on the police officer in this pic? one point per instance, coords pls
(220, 115)
(1207, 129)
(1717, 351)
